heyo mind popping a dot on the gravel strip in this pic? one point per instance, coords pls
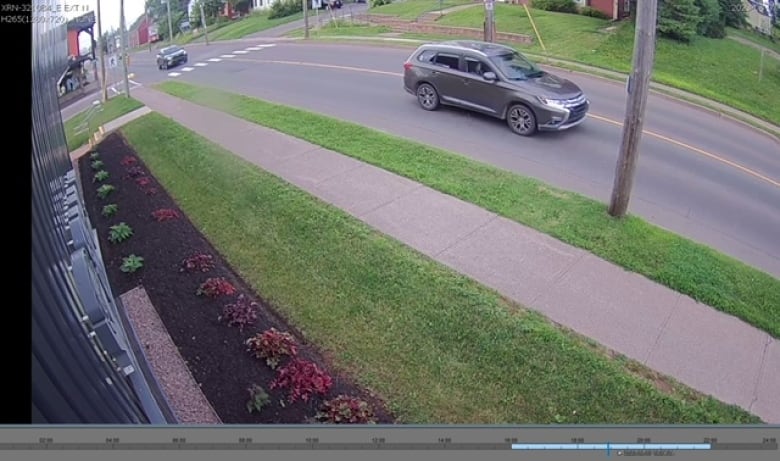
(180, 388)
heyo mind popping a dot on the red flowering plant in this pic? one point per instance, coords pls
(197, 263)
(241, 313)
(273, 346)
(303, 379)
(165, 214)
(215, 287)
(128, 160)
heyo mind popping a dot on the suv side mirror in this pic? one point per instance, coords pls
(490, 76)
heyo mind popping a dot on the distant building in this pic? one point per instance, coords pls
(761, 14)
(615, 9)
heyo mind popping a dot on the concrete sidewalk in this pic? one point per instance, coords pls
(701, 347)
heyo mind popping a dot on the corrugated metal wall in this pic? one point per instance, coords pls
(83, 367)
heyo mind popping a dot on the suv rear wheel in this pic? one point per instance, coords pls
(521, 120)
(427, 97)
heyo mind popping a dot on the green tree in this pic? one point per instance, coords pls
(734, 12)
(712, 24)
(678, 19)
(158, 11)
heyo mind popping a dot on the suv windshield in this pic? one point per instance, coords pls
(169, 50)
(515, 66)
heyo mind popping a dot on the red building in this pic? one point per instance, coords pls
(615, 9)
(140, 34)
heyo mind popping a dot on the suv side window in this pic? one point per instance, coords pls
(426, 56)
(447, 60)
(476, 67)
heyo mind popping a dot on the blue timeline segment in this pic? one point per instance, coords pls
(609, 447)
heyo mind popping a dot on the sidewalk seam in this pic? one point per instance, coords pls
(760, 373)
(559, 276)
(388, 202)
(662, 329)
(467, 236)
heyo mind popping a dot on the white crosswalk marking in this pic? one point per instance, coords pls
(253, 48)
(187, 69)
(173, 74)
(215, 60)
(241, 52)
(266, 45)
(228, 56)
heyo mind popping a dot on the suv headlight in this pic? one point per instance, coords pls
(557, 103)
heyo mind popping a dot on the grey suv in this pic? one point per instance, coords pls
(494, 80)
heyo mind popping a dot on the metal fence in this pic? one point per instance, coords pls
(84, 368)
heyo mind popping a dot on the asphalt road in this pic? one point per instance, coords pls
(709, 178)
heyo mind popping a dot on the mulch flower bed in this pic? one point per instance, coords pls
(252, 366)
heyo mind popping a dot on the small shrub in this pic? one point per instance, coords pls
(97, 164)
(132, 263)
(284, 8)
(110, 210)
(240, 313)
(94, 155)
(135, 172)
(143, 181)
(303, 379)
(101, 176)
(165, 214)
(258, 398)
(376, 3)
(594, 13)
(128, 160)
(119, 233)
(273, 346)
(560, 6)
(215, 287)
(104, 190)
(150, 191)
(345, 410)
(197, 263)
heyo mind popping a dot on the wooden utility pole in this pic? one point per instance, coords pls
(305, 18)
(170, 23)
(101, 57)
(638, 86)
(203, 20)
(490, 21)
(123, 31)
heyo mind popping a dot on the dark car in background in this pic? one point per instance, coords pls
(495, 80)
(171, 56)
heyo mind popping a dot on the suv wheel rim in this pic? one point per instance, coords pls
(427, 96)
(521, 120)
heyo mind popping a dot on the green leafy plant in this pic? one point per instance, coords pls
(101, 176)
(104, 190)
(110, 210)
(345, 410)
(258, 398)
(97, 164)
(273, 346)
(119, 233)
(131, 264)
(94, 155)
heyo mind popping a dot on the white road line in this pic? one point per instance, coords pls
(266, 45)
(228, 56)
(187, 69)
(114, 90)
(200, 64)
(241, 52)
(254, 48)
(173, 74)
(215, 60)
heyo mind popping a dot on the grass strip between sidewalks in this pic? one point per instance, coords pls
(685, 266)
(77, 134)
(439, 347)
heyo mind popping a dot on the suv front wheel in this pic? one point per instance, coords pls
(427, 97)
(521, 120)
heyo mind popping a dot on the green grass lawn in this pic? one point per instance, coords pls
(343, 28)
(676, 262)
(240, 28)
(757, 38)
(412, 9)
(112, 109)
(439, 347)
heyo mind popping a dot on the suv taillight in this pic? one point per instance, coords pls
(408, 65)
